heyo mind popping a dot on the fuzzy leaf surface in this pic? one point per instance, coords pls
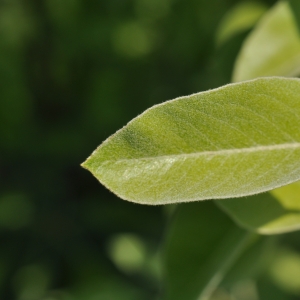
(237, 140)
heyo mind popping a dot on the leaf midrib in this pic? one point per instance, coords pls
(285, 146)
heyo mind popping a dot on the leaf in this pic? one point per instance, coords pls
(288, 196)
(272, 49)
(201, 246)
(295, 6)
(253, 262)
(237, 140)
(285, 270)
(241, 17)
(263, 213)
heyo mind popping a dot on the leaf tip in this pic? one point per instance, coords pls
(85, 164)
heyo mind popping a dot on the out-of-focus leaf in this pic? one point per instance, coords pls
(245, 289)
(262, 213)
(285, 271)
(295, 6)
(133, 40)
(252, 263)
(202, 244)
(288, 196)
(128, 252)
(272, 49)
(237, 140)
(241, 17)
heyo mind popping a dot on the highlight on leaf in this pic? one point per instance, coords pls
(237, 140)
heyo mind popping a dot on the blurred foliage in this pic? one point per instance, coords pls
(241, 17)
(72, 72)
(272, 48)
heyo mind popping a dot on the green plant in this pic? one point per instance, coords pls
(238, 140)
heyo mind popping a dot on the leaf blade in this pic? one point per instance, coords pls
(237, 140)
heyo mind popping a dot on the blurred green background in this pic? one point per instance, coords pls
(72, 72)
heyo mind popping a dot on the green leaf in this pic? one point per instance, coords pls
(263, 213)
(288, 196)
(241, 17)
(201, 246)
(254, 262)
(237, 140)
(295, 6)
(285, 270)
(272, 49)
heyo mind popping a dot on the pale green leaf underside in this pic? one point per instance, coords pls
(288, 196)
(237, 140)
(273, 47)
(264, 213)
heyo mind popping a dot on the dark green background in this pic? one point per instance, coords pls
(72, 72)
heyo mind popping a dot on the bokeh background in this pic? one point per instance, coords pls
(72, 72)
